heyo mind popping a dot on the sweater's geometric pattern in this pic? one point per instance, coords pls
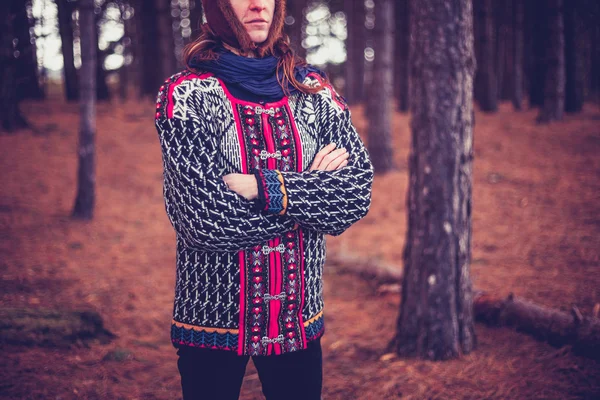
(204, 135)
(271, 191)
(190, 336)
(257, 280)
(263, 331)
(315, 328)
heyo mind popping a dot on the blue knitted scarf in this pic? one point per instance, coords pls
(255, 75)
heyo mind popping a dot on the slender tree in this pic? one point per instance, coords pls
(536, 21)
(166, 42)
(488, 93)
(86, 174)
(130, 70)
(65, 28)
(355, 51)
(554, 89)
(401, 51)
(595, 55)
(102, 90)
(29, 85)
(382, 94)
(504, 43)
(150, 76)
(11, 118)
(574, 56)
(436, 317)
(518, 18)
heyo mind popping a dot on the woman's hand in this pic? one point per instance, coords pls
(243, 184)
(327, 159)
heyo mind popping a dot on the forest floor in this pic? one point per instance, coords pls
(536, 233)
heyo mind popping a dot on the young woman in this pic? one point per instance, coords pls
(261, 160)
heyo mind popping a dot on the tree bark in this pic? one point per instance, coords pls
(574, 56)
(436, 319)
(65, 28)
(518, 18)
(381, 97)
(86, 174)
(554, 92)
(401, 80)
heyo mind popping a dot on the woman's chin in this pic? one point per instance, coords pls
(258, 37)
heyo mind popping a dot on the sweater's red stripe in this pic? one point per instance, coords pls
(242, 330)
(277, 303)
(302, 278)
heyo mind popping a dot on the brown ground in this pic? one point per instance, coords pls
(536, 228)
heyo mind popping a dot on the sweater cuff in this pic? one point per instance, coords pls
(272, 196)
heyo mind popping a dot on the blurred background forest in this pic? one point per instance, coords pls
(86, 302)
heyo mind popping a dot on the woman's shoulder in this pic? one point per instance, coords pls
(178, 88)
(186, 78)
(315, 77)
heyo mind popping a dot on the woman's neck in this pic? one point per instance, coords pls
(236, 51)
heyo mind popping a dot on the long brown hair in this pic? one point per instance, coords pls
(204, 48)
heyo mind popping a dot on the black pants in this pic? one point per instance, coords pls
(218, 375)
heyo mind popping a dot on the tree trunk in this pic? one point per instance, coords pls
(28, 82)
(381, 97)
(86, 174)
(131, 48)
(401, 80)
(488, 100)
(518, 17)
(507, 36)
(554, 93)
(11, 118)
(436, 318)
(102, 90)
(165, 38)
(574, 57)
(151, 77)
(595, 61)
(355, 45)
(296, 9)
(537, 24)
(498, 10)
(350, 66)
(556, 327)
(65, 28)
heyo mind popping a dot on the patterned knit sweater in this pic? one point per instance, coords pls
(249, 272)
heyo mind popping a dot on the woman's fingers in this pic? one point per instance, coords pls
(321, 154)
(338, 162)
(331, 158)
